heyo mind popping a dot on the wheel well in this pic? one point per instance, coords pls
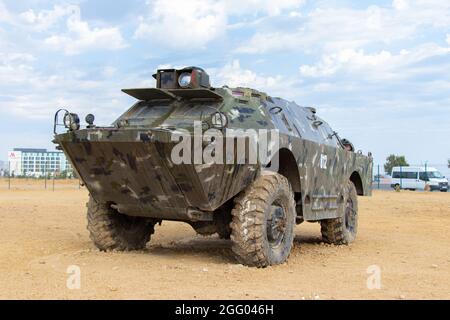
(356, 179)
(288, 168)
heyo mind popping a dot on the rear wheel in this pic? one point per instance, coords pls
(343, 230)
(263, 222)
(110, 230)
(220, 224)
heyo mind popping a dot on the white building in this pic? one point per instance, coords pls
(37, 162)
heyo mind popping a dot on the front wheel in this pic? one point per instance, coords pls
(343, 230)
(262, 227)
(110, 230)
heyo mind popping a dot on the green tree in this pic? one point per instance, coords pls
(394, 161)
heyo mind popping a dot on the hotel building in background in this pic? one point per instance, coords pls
(37, 162)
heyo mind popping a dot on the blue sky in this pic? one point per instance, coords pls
(377, 71)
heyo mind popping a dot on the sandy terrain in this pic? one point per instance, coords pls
(406, 234)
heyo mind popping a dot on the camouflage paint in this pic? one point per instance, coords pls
(129, 166)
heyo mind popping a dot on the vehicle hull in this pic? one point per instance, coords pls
(136, 175)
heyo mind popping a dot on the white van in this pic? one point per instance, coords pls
(417, 178)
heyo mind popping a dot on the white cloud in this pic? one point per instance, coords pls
(376, 66)
(181, 24)
(45, 19)
(448, 39)
(400, 4)
(349, 59)
(82, 37)
(268, 7)
(32, 94)
(109, 71)
(331, 29)
(5, 15)
(233, 75)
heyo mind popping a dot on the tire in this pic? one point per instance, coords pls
(343, 230)
(110, 230)
(222, 220)
(259, 240)
(220, 224)
(204, 228)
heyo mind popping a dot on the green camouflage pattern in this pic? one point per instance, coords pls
(129, 165)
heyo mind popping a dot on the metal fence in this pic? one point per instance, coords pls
(10, 183)
(47, 180)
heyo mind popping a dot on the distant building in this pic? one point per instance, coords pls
(37, 162)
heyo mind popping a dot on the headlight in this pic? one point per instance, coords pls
(185, 80)
(71, 121)
(90, 118)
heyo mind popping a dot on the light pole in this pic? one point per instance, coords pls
(9, 175)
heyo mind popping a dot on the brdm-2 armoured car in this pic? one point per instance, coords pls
(231, 161)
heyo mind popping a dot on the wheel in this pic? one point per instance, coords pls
(220, 224)
(343, 230)
(110, 230)
(263, 220)
(204, 228)
(222, 219)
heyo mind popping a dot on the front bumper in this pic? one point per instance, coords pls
(443, 186)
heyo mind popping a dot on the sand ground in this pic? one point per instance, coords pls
(406, 235)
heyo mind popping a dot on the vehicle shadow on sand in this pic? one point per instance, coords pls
(301, 239)
(200, 247)
(213, 248)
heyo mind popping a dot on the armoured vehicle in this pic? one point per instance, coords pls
(172, 156)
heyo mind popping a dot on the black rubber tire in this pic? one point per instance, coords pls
(343, 230)
(110, 230)
(224, 232)
(204, 228)
(249, 236)
(220, 224)
(222, 219)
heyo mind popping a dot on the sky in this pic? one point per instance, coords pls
(377, 71)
